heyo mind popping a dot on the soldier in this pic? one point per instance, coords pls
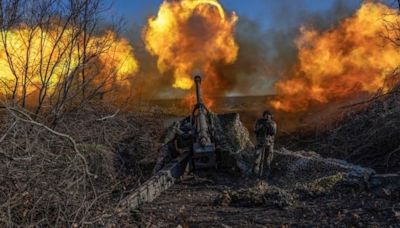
(179, 139)
(265, 130)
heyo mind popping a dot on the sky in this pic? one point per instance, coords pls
(265, 31)
(137, 11)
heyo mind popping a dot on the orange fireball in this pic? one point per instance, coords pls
(191, 35)
(343, 62)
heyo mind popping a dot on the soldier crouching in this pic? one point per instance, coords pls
(265, 130)
(179, 139)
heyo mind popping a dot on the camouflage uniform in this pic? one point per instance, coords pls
(177, 141)
(265, 130)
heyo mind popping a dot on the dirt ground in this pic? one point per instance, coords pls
(220, 199)
(215, 200)
(208, 202)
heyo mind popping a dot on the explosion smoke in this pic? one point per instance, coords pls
(192, 34)
(348, 60)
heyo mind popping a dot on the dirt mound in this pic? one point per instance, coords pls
(367, 134)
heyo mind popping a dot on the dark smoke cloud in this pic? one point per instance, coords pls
(149, 83)
(265, 55)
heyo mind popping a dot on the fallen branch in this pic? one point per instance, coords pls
(108, 117)
(8, 131)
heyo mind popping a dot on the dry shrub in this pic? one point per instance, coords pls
(47, 179)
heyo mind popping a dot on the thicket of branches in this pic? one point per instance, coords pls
(74, 175)
(50, 54)
(63, 163)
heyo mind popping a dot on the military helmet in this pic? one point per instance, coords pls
(267, 112)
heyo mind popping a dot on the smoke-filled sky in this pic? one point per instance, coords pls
(265, 33)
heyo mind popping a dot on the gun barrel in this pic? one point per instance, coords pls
(203, 148)
(197, 81)
(202, 125)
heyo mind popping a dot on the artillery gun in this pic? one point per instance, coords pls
(201, 156)
(203, 143)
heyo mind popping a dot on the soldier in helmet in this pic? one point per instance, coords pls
(265, 130)
(179, 139)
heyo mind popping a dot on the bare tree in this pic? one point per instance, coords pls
(52, 50)
(52, 56)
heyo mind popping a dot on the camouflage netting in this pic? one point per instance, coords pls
(261, 194)
(289, 169)
(235, 150)
(302, 168)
